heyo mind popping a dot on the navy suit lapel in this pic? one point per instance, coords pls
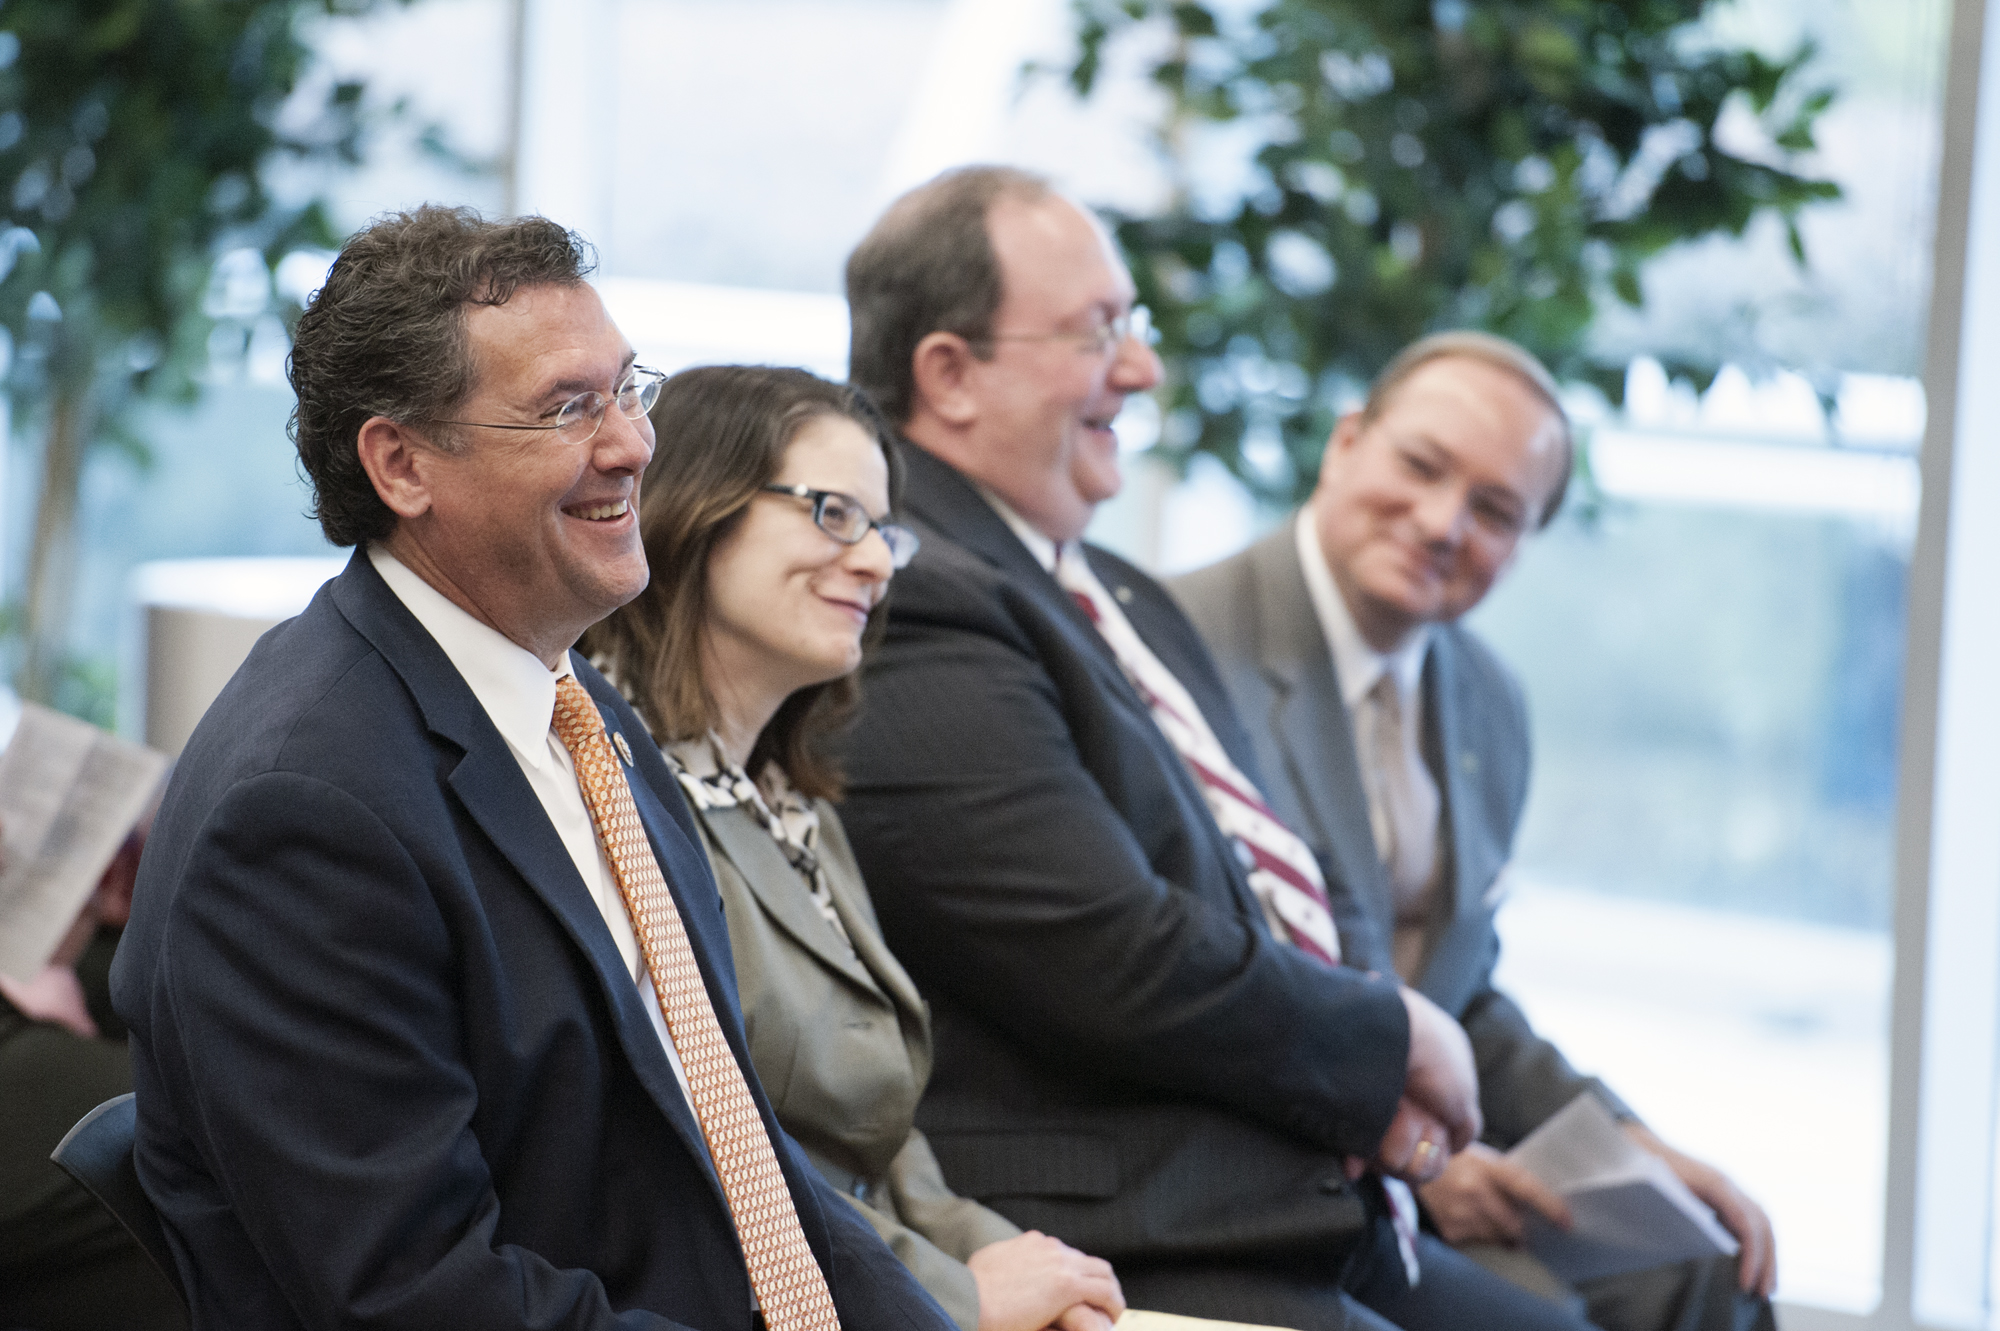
(695, 896)
(677, 846)
(499, 799)
(489, 783)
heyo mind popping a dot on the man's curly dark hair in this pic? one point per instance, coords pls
(386, 337)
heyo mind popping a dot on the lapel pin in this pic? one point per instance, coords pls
(624, 749)
(1124, 595)
(1469, 763)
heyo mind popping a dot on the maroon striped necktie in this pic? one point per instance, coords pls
(1282, 870)
(1280, 866)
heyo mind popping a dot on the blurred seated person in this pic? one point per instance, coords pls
(766, 520)
(1398, 744)
(65, 1263)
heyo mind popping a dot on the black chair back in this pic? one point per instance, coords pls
(97, 1153)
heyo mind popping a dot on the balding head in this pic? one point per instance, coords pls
(927, 266)
(1004, 343)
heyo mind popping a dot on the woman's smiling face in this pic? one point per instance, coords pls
(787, 603)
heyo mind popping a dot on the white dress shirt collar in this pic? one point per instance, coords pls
(516, 689)
(1040, 546)
(1358, 664)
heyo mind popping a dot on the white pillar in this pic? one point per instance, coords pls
(1945, 1023)
(568, 105)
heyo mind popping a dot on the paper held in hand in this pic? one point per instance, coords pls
(69, 793)
(1631, 1210)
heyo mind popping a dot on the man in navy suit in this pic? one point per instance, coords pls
(399, 1060)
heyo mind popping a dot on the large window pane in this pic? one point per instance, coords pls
(1704, 868)
(1715, 697)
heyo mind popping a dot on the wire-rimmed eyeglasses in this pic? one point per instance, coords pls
(578, 420)
(842, 517)
(1099, 340)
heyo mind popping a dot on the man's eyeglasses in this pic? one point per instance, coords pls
(578, 420)
(842, 517)
(1101, 340)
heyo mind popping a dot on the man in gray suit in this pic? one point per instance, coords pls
(1396, 741)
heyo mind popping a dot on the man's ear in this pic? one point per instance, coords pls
(942, 367)
(1338, 445)
(395, 459)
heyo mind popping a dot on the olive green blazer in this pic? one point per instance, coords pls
(842, 1043)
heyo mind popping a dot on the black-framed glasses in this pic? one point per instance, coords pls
(1101, 340)
(842, 517)
(578, 420)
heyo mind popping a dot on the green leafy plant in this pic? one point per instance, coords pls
(134, 141)
(1351, 174)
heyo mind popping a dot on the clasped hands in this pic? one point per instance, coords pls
(1439, 1111)
(1034, 1281)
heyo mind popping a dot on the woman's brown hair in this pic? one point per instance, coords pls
(721, 433)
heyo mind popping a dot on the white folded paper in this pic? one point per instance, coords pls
(1631, 1211)
(69, 793)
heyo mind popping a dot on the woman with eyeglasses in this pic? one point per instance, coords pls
(766, 518)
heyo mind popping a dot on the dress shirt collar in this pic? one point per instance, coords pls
(516, 689)
(1040, 546)
(1358, 664)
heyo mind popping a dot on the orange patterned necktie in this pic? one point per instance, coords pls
(791, 1289)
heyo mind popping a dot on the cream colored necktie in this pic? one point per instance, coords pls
(1404, 815)
(1406, 798)
(791, 1289)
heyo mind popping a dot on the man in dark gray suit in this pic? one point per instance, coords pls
(1136, 1050)
(1398, 744)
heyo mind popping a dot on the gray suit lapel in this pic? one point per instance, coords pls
(735, 837)
(1474, 858)
(779, 890)
(1311, 728)
(1459, 946)
(857, 912)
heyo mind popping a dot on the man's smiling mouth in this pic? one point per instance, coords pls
(601, 512)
